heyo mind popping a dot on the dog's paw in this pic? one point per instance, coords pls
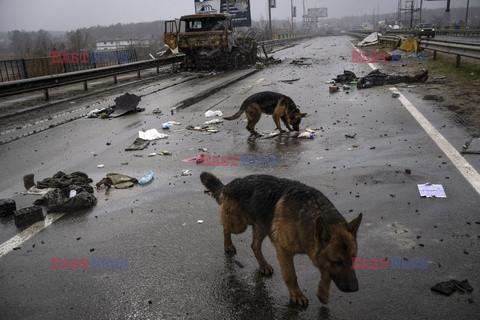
(230, 250)
(324, 297)
(299, 299)
(266, 270)
(282, 131)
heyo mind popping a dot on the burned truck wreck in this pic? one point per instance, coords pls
(210, 42)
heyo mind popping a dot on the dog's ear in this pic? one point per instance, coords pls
(322, 233)
(303, 115)
(354, 225)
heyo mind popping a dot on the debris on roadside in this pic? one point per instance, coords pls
(307, 134)
(301, 62)
(126, 103)
(146, 178)
(101, 166)
(28, 181)
(28, 216)
(369, 40)
(152, 134)
(346, 77)
(59, 199)
(429, 190)
(117, 180)
(203, 128)
(333, 89)
(449, 287)
(7, 207)
(165, 153)
(214, 121)
(186, 172)
(471, 147)
(289, 81)
(350, 136)
(395, 94)
(198, 159)
(211, 113)
(138, 144)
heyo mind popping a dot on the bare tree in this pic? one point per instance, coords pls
(43, 43)
(21, 43)
(79, 40)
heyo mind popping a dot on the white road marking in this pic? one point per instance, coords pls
(465, 168)
(26, 234)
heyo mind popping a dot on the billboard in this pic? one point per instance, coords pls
(239, 9)
(318, 12)
(207, 6)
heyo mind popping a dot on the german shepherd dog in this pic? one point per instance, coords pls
(279, 105)
(298, 219)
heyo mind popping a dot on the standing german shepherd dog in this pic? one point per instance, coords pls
(279, 105)
(298, 219)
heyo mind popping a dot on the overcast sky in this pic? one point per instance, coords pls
(64, 15)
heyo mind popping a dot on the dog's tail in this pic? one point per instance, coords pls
(236, 115)
(213, 184)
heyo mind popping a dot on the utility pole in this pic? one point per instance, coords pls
(291, 10)
(466, 16)
(269, 19)
(421, 5)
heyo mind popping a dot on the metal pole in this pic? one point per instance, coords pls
(466, 15)
(269, 20)
(421, 5)
(291, 11)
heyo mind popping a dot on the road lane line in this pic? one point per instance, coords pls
(26, 234)
(465, 168)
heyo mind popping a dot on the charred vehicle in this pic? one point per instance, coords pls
(209, 42)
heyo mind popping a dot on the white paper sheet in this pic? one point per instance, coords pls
(429, 190)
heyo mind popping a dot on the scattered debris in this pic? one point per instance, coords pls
(146, 179)
(214, 121)
(153, 154)
(333, 89)
(369, 40)
(395, 94)
(138, 144)
(7, 207)
(101, 166)
(117, 180)
(306, 135)
(152, 134)
(211, 113)
(289, 81)
(28, 181)
(429, 190)
(301, 62)
(449, 287)
(197, 159)
(350, 136)
(346, 87)
(165, 126)
(126, 103)
(378, 78)
(200, 221)
(186, 172)
(165, 153)
(433, 97)
(346, 77)
(28, 216)
(471, 147)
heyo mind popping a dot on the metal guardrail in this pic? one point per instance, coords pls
(46, 82)
(450, 47)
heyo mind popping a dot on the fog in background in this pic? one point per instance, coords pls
(61, 15)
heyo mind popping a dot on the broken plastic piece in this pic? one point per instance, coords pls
(146, 179)
(152, 134)
(211, 113)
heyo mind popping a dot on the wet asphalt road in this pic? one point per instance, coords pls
(176, 266)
